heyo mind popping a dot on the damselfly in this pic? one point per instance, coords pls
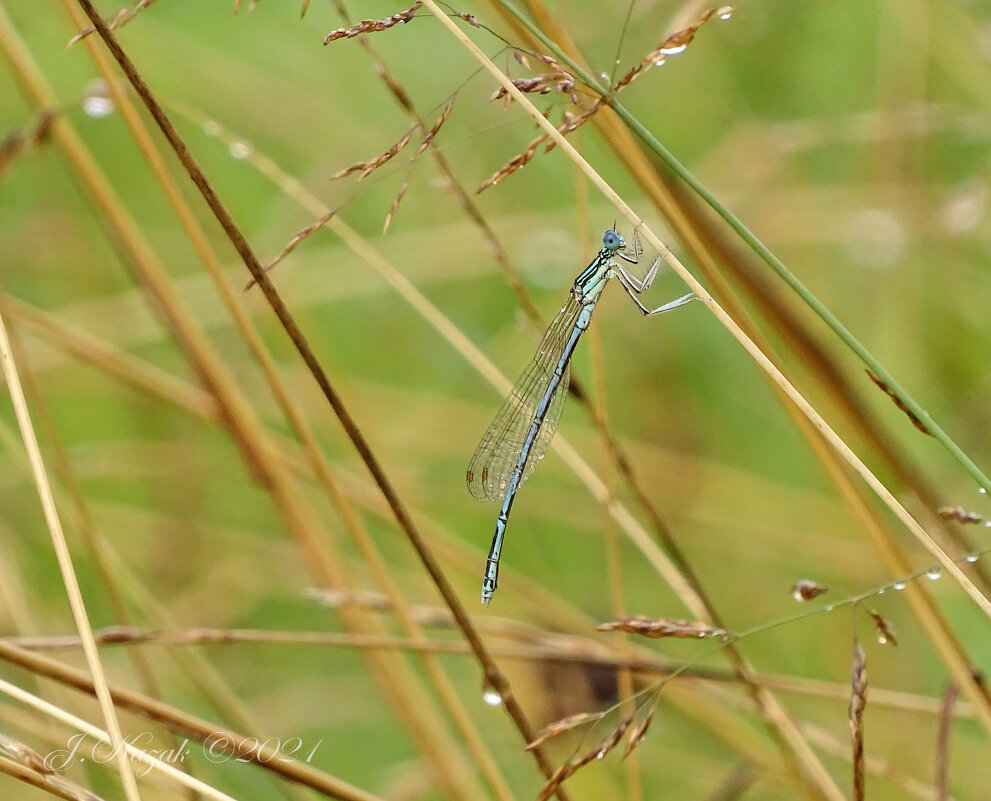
(523, 428)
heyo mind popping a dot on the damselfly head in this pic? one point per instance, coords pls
(613, 241)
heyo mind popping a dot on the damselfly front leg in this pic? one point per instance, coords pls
(634, 286)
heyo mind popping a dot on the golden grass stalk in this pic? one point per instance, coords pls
(63, 556)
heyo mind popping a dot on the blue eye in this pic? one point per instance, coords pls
(612, 240)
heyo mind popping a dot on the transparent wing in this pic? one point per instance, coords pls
(496, 455)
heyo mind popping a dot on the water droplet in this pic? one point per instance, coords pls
(971, 557)
(882, 638)
(211, 128)
(491, 697)
(240, 150)
(933, 573)
(981, 491)
(674, 49)
(898, 585)
(725, 12)
(659, 61)
(882, 591)
(97, 102)
(98, 106)
(987, 524)
(829, 608)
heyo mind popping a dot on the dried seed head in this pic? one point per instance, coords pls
(858, 702)
(885, 633)
(552, 730)
(806, 590)
(555, 780)
(675, 43)
(298, 237)
(119, 19)
(610, 741)
(373, 25)
(394, 206)
(959, 514)
(664, 627)
(638, 732)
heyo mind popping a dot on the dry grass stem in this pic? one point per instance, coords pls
(373, 25)
(858, 702)
(943, 735)
(17, 751)
(175, 720)
(657, 628)
(64, 558)
(54, 784)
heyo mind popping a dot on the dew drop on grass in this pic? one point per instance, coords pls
(971, 557)
(674, 49)
(882, 638)
(898, 585)
(725, 12)
(933, 573)
(97, 106)
(97, 102)
(981, 491)
(211, 128)
(240, 150)
(491, 697)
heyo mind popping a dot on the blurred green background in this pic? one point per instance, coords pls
(852, 137)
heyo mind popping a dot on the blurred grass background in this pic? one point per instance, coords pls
(852, 137)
